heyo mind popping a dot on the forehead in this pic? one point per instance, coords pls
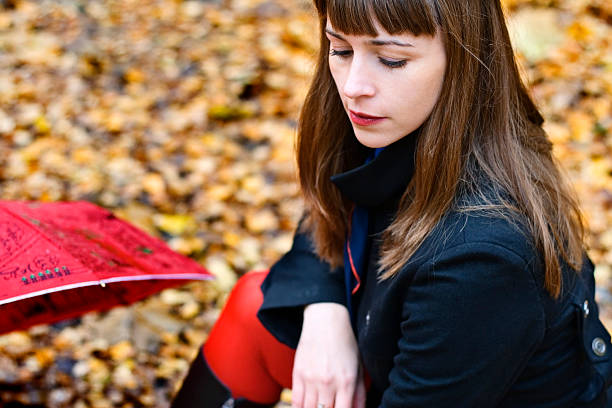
(406, 40)
(379, 31)
(371, 17)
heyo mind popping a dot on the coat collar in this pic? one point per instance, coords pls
(383, 179)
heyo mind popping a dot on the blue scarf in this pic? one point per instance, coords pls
(354, 249)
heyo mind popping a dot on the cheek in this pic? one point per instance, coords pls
(336, 73)
(425, 90)
(437, 81)
(438, 76)
(413, 100)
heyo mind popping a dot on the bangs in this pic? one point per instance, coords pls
(357, 17)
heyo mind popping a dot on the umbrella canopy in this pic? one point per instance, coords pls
(60, 260)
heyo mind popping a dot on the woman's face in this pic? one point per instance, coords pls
(388, 84)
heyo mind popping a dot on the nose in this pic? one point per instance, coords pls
(358, 82)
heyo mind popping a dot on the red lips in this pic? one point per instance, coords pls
(363, 119)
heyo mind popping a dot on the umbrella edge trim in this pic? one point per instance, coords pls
(178, 276)
(47, 291)
(102, 282)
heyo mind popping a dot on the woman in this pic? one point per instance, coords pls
(440, 260)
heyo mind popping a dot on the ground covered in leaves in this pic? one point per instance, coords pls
(179, 116)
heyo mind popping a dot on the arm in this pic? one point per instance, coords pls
(298, 279)
(326, 369)
(472, 318)
(304, 299)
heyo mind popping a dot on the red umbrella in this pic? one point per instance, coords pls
(60, 260)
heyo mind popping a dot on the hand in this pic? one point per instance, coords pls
(326, 369)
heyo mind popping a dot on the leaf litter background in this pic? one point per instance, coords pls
(179, 116)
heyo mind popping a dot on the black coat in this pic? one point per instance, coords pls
(466, 323)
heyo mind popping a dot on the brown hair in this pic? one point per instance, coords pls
(494, 126)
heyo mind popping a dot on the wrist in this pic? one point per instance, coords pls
(326, 311)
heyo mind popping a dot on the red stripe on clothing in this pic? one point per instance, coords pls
(350, 254)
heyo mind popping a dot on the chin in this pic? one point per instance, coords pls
(373, 140)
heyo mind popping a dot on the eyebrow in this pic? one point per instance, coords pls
(373, 42)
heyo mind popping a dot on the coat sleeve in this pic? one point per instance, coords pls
(472, 317)
(298, 279)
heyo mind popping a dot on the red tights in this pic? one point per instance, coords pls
(244, 356)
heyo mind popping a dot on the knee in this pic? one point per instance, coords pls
(246, 296)
(250, 281)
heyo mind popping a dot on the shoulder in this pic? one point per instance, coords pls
(477, 269)
(475, 260)
(482, 229)
(481, 248)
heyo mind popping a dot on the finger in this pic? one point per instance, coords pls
(344, 396)
(297, 393)
(326, 396)
(310, 397)
(359, 398)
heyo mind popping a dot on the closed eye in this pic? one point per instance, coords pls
(340, 53)
(392, 63)
(389, 63)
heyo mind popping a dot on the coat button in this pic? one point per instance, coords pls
(598, 346)
(585, 308)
